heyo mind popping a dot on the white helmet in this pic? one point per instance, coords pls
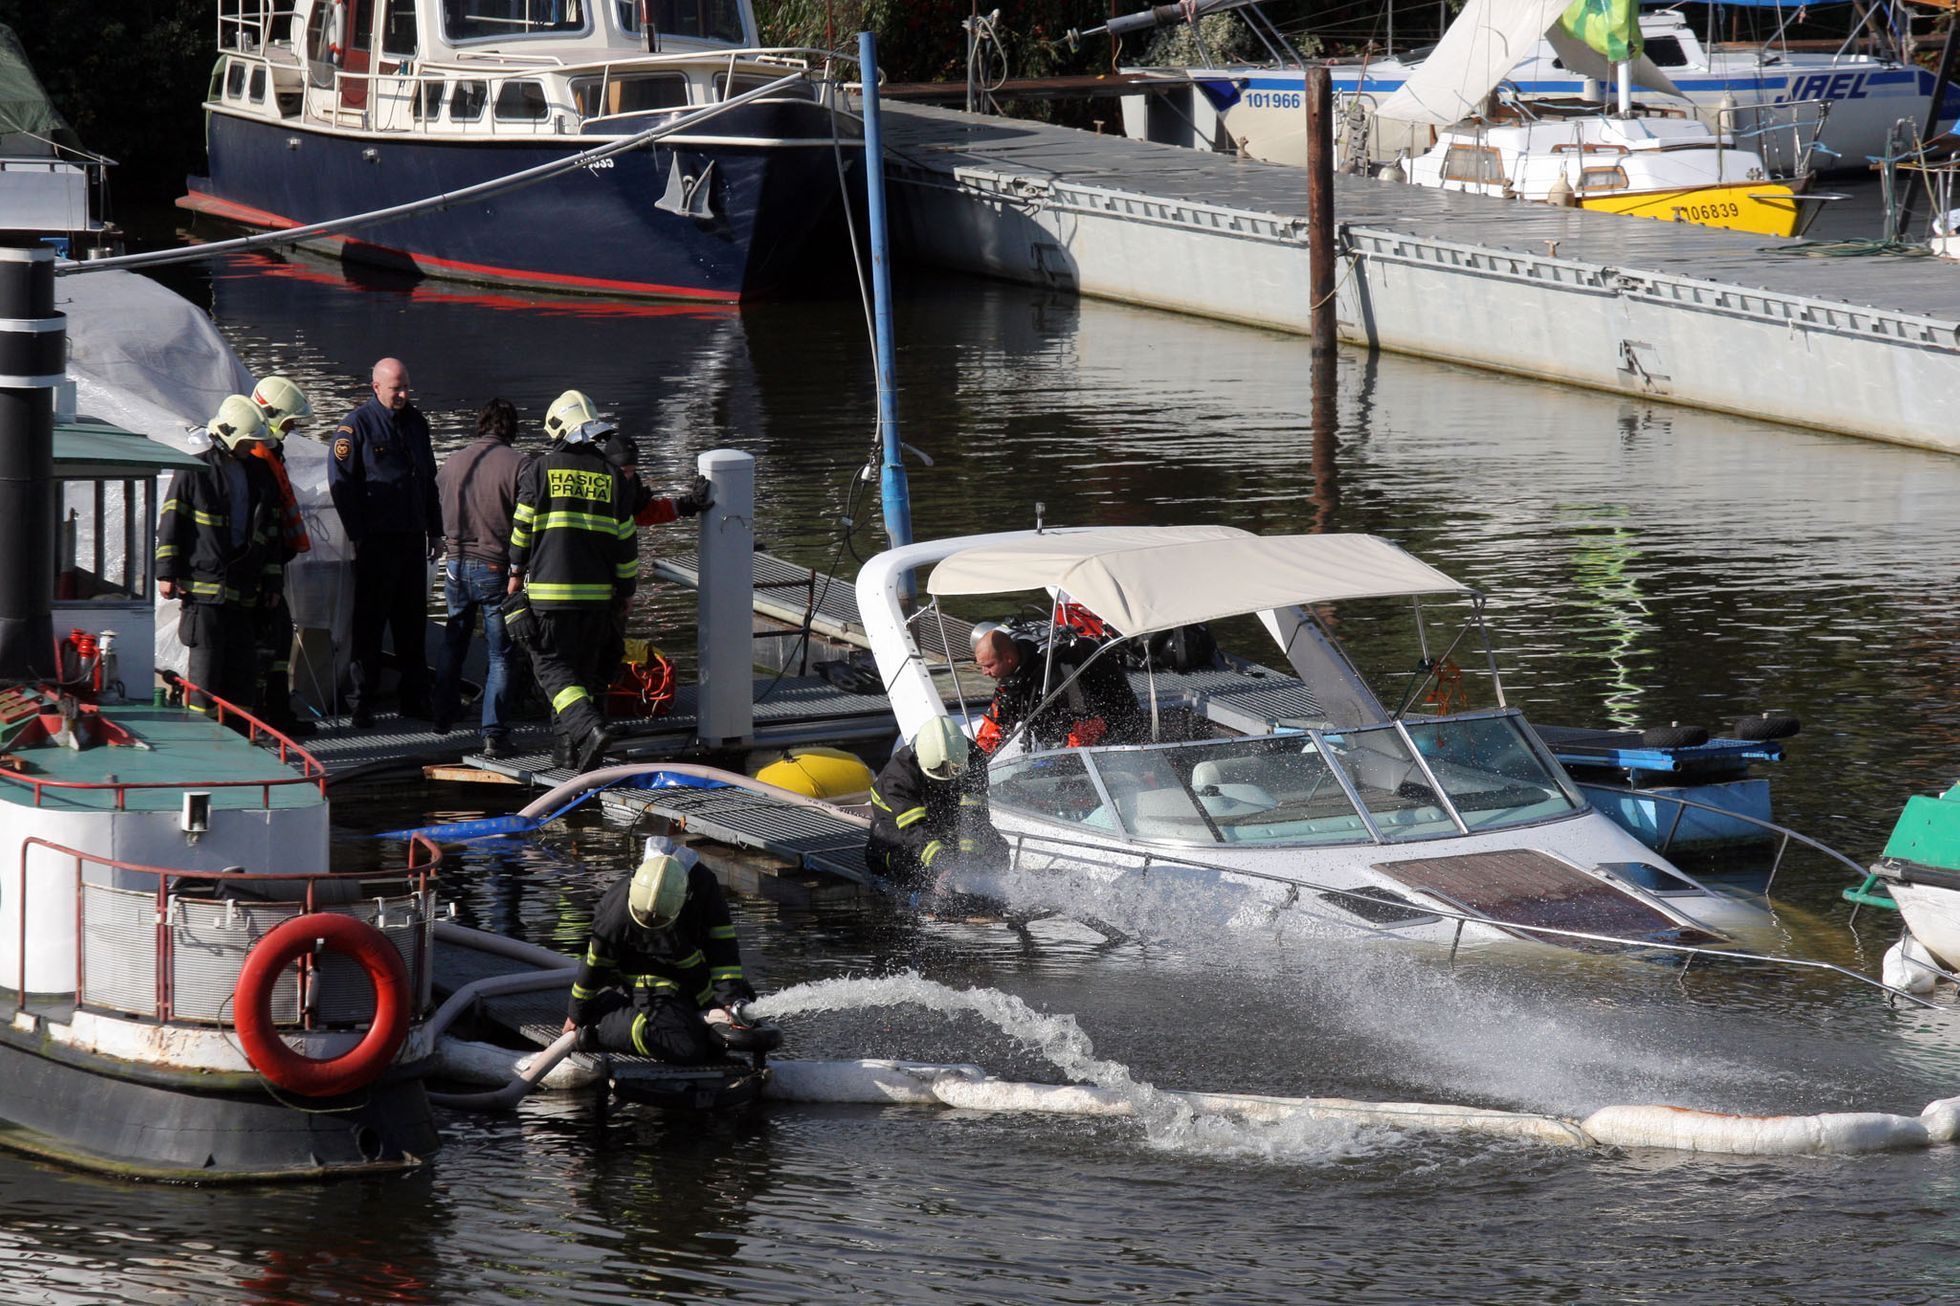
(573, 419)
(238, 420)
(283, 404)
(658, 892)
(941, 748)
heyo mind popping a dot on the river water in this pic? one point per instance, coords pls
(1646, 564)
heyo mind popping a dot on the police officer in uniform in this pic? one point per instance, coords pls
(383, 479)
(220, 551)
(282, 403)
(929, 806)
(576, 554)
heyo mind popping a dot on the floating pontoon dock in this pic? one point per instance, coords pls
(1744, 324)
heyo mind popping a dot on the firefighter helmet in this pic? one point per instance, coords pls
(573, 419)
(283, 404)
(659, 890)
(238, 420)
(940, 747)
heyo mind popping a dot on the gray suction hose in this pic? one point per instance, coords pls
(503, 1099)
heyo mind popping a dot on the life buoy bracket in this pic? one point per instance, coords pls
(257, 979)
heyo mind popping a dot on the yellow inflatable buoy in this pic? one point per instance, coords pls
(827, 773)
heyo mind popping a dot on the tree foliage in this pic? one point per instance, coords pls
(130, 77)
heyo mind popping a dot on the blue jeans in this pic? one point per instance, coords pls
(470, 586)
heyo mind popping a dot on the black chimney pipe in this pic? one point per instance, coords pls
(33, 357)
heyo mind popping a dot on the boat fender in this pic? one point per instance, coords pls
(827, 773)
(1767, 725)
(1908, 966)
(1673, 735)
(260, 975)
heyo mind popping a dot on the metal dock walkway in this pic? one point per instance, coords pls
(1724, 320)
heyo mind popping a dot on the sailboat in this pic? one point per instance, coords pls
(1639, 163)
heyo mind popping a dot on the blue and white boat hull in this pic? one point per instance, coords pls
(772, 197)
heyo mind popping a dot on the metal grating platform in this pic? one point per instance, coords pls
(791, 594)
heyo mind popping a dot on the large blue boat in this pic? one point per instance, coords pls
(324, 109)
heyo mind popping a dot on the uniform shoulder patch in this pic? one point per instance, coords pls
(343, 448)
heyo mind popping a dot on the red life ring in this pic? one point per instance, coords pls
(252, 1005)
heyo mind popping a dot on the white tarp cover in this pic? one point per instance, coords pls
(146, 359)
(1142, 580)
(1487, 40)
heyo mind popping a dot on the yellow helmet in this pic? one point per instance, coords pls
(573, 419)
(941, 748)
(283, 403)
(238, 420)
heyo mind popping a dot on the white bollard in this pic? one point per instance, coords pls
(726, 644)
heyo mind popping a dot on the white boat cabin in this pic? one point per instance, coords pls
(499, 68)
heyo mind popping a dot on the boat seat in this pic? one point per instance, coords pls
(1235, 800)
(1161, 814)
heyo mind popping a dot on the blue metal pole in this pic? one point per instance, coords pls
(894, 490)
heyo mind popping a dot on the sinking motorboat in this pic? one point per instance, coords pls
(1455, 827)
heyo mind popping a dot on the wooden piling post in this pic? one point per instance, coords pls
(1320, 207)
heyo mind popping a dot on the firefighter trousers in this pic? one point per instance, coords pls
(572, 652)
(668, 1030)
(221, 641)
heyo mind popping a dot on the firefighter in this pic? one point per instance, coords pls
(930, 806)
(662, 976)
(575, 554)
(282, 403)
(1096, 707)
(650, 509)
(383, 479)
(220, 552)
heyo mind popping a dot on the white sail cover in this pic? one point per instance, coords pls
(1141, 580)
(1487, 40)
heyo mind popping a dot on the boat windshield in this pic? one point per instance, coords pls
(476, 20)
(1390, 783)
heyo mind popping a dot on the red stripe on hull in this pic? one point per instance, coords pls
(245, 215)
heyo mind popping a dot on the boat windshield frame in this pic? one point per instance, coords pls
(1414, 747)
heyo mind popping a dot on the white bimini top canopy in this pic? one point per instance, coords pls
(1146, 579)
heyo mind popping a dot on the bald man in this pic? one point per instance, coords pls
(1098, 707)
(382, 473)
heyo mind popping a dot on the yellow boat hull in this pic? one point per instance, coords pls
(1766, 208)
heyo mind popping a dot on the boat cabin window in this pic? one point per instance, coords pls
(467, 104)
(1664, 52)
(398, 29)
(492, 20)
(235, 79)
(1477, 164)
(800, 91)
(428, 100)
(105, 536)
(710, 20)
(521, 102)
(598, 97)
(256, 90)
(1602, 179)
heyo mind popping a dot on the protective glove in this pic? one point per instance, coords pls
(699, 498)
(435, 547)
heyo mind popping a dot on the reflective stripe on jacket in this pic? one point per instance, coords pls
(696, 960)
(572, 531)
(194, 545)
